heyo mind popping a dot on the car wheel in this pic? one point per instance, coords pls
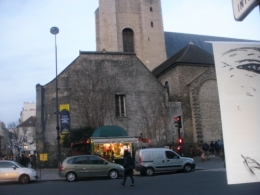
(187, 168)
(113, 174)
(149, 171)
(71, 176)
(23, 179)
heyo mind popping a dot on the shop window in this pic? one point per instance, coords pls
(151, 9)
(120, 105)
(128, 40)
(151, 24)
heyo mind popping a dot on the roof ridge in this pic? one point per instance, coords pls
(187, 47)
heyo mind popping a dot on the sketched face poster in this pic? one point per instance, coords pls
(238, 78)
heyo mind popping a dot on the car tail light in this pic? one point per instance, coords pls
(62, 168)
(140, 160)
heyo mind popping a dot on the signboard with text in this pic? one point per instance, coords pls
(242, 8)
(43, 157)
(65, 118)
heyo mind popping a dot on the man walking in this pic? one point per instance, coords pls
(129, 167)
(205, 148)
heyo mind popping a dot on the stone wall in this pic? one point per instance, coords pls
(196, 88)
(143, 17)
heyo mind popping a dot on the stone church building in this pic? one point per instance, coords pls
(139, 78)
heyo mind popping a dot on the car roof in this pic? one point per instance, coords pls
(150, 149)
(82, 155)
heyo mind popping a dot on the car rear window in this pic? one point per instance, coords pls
(70, 161)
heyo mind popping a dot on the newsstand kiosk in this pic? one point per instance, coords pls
(110, 142)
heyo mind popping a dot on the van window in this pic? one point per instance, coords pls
(147, 156)
(171, 155)
(158, 155)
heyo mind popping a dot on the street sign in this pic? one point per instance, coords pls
(43, 157)
(242, 8)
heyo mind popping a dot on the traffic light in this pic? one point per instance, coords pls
(180, 141)
(177, 121)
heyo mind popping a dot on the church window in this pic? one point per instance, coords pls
(120, 105)
(151, 9)
(128, 40)
(151, 24)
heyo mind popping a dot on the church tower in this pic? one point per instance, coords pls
(132, 26)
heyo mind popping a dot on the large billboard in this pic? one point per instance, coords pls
(238, 78)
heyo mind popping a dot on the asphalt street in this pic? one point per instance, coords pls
(198, 182)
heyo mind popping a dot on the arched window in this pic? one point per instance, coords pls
(128, 40)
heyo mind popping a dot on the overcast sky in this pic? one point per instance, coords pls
(27, 48)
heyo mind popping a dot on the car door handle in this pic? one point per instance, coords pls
(168, 160)
(163, 161)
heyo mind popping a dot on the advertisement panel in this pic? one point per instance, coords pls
(238, 78)
(65, 118)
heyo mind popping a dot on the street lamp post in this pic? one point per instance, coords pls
(55, 31)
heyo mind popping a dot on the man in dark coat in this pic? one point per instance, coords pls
(129, 167)
(23, 160)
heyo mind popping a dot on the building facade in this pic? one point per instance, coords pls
(109, 88)
(28, 110)
(129, 82)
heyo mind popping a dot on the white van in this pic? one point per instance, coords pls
(151, 160)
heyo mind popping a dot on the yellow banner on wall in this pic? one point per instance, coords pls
(64, 107)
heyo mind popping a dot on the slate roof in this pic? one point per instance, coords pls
(191, 54)
(30, 122)
(174, 42)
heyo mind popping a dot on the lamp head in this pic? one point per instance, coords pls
(54, 30)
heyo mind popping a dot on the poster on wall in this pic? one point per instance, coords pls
(238, 77)
(65, 118)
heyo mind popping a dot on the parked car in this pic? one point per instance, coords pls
(151, 160)
(84, 166)
(13, 171)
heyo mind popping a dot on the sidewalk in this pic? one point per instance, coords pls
(215, 163)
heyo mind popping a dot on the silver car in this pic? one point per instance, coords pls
(13, 171)
(84, 166)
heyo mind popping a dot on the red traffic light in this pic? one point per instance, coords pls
(179, 148)
(180, 141)
(177, 121)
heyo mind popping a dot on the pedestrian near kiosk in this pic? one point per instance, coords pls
(205, 149)
(129, 167)
(212, 148)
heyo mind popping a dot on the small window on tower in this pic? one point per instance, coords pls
(151, 9)
(151, 24)
(128, 40)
